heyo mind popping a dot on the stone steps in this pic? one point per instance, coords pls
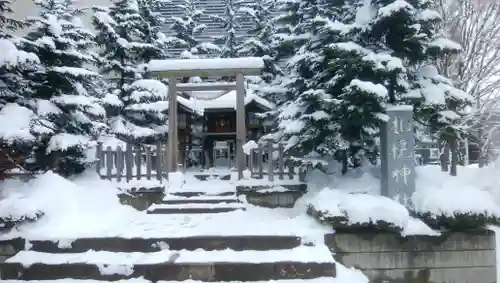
(194, 208)
(257, 260)
(181, 201)
(170, 271)
(175, 199)
(116, 244)
(197, 203)
(197, 194)
(142, 280)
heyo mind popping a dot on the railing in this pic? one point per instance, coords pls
(148, 162)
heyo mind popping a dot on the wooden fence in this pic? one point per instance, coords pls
(148, 162)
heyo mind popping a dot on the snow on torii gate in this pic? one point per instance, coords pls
(173, 69)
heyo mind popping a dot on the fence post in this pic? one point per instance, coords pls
(148, 162)
(251, 157)
(261, 161)
(291, 169)
(109, 162)
(119, 163)
(138, 161)
(281, 160)
(159, 165)
(270, 165)
(129, 161)
(99, 156)
(165, 161)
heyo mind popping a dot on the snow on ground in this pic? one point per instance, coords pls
(89, 207)
(298, 254)
(366, 208)
(473, 191)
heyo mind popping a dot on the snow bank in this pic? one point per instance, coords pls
(440, 200)
(362, 210)
(66, 205)
(473, 191)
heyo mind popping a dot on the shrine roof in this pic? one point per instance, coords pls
(200, 101)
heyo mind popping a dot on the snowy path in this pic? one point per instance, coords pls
(253, 221)
(298, 254)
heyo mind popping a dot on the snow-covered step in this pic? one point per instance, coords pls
(142, 280)
(116, 244)
(299, 254)
(222, 265)
(70, 280)
(190, 208)
(173, 199)
(229, 192)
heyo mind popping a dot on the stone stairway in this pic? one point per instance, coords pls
(197, 202)
(200, 258)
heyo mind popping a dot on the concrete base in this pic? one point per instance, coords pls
(450, 258)
(264, 196)
(142, 200)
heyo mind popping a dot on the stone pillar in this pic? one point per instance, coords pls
(397, 154)
(240, 124)
(172, 126)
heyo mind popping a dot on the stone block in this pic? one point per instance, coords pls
(385, 242)
(418, 259)
(208, 243)
(436, 275)
(173, 272)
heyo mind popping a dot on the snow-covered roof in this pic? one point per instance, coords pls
(225, 101)
(205, 67)
(198, 101)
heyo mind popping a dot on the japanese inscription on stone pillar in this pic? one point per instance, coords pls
(397, 154)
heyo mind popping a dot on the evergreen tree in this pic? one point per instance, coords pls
(152, 34)
(16, 138)
(12, 60)
(63, 97)
(354, 59)
(262, 42)
(144, 117)
(307, 107)
(188, 29)
(7, 22)
(396, 45)
(129, 37)
(120, 34)
(230, 42)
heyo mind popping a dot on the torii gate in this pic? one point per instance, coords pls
(173, 69)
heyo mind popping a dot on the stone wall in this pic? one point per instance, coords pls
(7, 249)
(389, 258)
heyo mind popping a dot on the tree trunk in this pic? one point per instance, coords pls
(480, 143)
(454, 157)
(445, 155)
(345, 162)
